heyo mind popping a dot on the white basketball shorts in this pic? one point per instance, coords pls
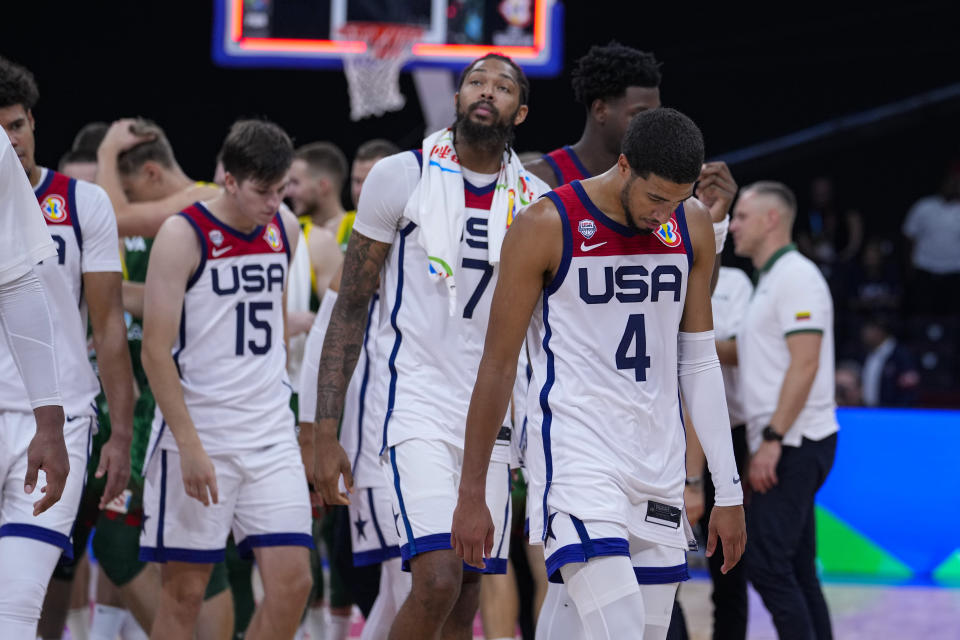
(263, 499)
(55, 525)
(425, 476)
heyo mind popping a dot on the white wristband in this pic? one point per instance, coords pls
(720, 232)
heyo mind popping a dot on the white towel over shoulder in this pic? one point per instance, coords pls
(437, 206)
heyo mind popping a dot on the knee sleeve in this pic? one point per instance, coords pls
(558, 619)
(607, 597)
(658, 606)
(28, 565)
(595, 584)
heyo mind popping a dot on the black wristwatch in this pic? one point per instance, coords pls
(770, 434)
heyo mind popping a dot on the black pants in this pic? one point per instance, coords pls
(782, 546)
(730, 590)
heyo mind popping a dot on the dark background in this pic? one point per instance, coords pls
(744, 76)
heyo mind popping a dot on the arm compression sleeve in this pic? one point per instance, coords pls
(25, 316)
(701, 384)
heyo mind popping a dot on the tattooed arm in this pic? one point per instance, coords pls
(341, 348)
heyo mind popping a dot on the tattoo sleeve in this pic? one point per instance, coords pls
(341, 346)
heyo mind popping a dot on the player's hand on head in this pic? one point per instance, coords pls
(471, 534)
(115, 464)
(729, 526)
(121, 136)
(199, 475)
(716, 188)
(763, 466)
(47, 452)
(331, 462)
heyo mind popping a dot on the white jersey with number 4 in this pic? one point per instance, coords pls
(230, 353)
(605, 433)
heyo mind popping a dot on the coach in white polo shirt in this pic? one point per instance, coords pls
(785, 353)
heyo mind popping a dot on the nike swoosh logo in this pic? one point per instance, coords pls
(590, 247)
(736, 481)
(216, 253)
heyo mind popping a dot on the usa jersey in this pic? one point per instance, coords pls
(606, 439)
(428, 357)
(230, 353)
(81, 222)
(566, 165)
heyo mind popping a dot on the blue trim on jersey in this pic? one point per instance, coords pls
(182, 340)
(44, 184)
(558, 174)
(662, 575)
(567, 255)
(392, 389)
(278, 219)
(74, 219)
(363, 383)
(478, 191)
(576, 161)
(203, 251)
(375, 556)
(412, 543)
(552, 288)
(600, 216)
(373, 518)
(163, 501)
(246, 546)
(547, 413)
(506, 514)
(418, 154)
(40, 534)
(685, 234)
(581, 552)
(177, 554)
(163, 425)
(246, 237)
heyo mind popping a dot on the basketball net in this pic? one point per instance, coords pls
(373, 77)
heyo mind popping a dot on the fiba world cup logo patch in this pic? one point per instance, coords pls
(272, 236)
(54, 208)
(668, 234)
(587, 228)
(216, 237)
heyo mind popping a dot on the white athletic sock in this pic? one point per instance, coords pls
(78, 622)
(339, 627)
(131, 629)
(559, 619)
(107, 622)
(316, 623)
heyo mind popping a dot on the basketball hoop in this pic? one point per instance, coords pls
(373, 76)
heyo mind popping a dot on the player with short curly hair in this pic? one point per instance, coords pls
(614, 83)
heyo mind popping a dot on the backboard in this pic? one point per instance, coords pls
(305, 33)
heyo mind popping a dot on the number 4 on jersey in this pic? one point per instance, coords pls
(640, 361)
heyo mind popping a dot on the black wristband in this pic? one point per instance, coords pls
(770, 434)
